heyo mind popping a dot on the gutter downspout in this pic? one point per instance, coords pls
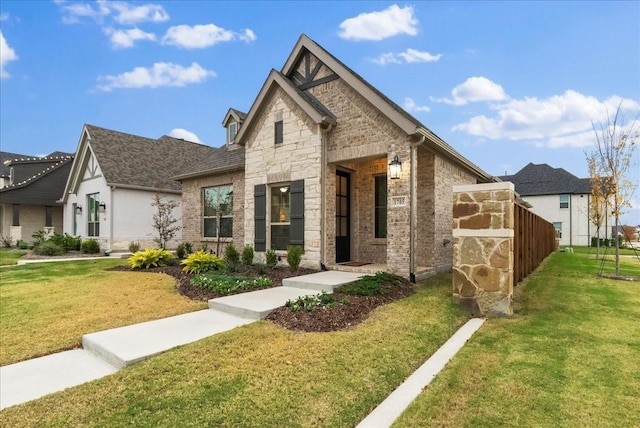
(323, 192)
(570, 220)
(111, 222)
(413, 212)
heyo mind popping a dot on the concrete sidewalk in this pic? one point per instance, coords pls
(107, 351)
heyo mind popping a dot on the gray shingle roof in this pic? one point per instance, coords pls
(6, 156)
(219, 160)
(131, 160)
(543, 179)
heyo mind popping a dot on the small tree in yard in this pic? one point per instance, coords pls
(615, 146)
(599, 195)
(163, 220)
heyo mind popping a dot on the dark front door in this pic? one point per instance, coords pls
(343, 218)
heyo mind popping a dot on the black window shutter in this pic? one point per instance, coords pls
(260, 217)
(297, 213)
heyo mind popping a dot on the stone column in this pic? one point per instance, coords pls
(483, 232)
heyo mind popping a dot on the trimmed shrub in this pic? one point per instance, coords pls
(294, 256)
(370, 285)
(150, 257)
(90, 246)
(231, 258)
(184, 249)
(312, 302)
(48, 248)
(200, 261)
(247, 255)
(22, 244)
(272, 259)
(134, 247)
(67, 242)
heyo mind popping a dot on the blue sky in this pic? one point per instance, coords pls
(505, 83)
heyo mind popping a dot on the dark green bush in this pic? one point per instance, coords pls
(39, 236)
(294, 256)
(184, 249)
(48, 248)
(225, 284)
(22, 244)
(90, 246)
(231, 258)
(370, 285)
(272, 259)
(67, 242)
(247, 255)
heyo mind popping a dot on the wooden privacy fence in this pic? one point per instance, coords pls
(533, 240)
(496, 243)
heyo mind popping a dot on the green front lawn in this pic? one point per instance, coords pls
(10, 256)
(262, 375)
(47, 307)
(570, 357)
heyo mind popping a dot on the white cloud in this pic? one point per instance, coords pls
(411, 106)
(563, 120)
(162, 74)
(408, 56)
(203, 36)
(381, 24)
(474, 89)
(129, 14)
(185, 135)
(121, 12)
(127, 38)
(7, 54)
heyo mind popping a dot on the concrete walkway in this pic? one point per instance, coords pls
(107, 351)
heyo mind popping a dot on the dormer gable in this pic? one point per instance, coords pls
(232, 122)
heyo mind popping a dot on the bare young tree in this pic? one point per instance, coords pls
(163, 220)
(615, 146)
(598, 200)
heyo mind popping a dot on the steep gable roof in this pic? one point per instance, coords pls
(288, 80)
(542, 179)
(5, 158)
(132, 161)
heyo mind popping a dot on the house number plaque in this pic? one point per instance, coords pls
(399, 201)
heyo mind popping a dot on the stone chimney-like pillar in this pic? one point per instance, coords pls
(483, 233)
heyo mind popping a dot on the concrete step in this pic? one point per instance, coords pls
(31, 379)
(322, 281)
(257, 305)
(126, 345)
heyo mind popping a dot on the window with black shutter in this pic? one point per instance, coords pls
(260, 217)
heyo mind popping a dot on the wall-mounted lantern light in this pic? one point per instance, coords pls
(78, 209)
(395, 168)
(102, 207)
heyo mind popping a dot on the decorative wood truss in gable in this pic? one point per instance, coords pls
(306, 73)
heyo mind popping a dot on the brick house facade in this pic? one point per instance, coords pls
(309, 165)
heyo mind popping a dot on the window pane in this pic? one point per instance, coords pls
(343, 206)
(210, 229)
(380, 206)
(226, 227)
(279, 237)
(280, 204)
(381, 222)
(278, 132)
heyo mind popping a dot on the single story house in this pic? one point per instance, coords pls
(29, 191)
(325, 161)
(560, 198)
(114, 179)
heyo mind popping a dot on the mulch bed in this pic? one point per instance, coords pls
(324, 319)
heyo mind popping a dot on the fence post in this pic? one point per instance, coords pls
(483, 243)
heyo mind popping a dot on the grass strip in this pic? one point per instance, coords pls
(262, 375)
(47, 307)
(10, 256)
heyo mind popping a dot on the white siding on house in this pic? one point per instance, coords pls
(576, 227)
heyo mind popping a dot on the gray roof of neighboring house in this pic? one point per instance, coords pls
(6, 156)
(217, 161)
(37, 180)
(131, 160)
(542, 179)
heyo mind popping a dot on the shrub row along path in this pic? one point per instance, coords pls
(106, 352)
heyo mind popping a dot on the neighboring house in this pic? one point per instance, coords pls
(559, 197)
(29, 193)
(325, 161)
(115, 178)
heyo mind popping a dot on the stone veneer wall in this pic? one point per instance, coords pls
(192, 209)
(483, 252)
